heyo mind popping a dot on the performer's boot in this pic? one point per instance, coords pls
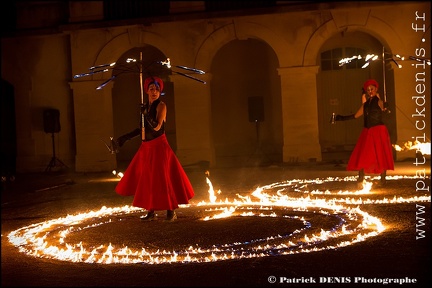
(149, 217)
(383, 180)
(171, 216)
(360, 179)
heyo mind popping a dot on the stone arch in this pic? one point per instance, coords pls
(376, 29)
(102, 101)
(239, 30)
(204, 59)
(373, 26)
(126, 98)
(134, 37)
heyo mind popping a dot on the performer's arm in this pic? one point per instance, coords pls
(355, 115)
(128, 136)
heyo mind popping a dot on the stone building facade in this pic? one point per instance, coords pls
(272, 79)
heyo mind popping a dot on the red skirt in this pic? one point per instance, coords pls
(156, 178)
(373, 151)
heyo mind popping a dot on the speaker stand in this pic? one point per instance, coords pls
(55, 162)
(258, 150)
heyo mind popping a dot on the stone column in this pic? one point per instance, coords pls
(93, 126)
(300, 114)
(193, 119)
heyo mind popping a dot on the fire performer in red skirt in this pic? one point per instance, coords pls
(155, 176)
(373, 151)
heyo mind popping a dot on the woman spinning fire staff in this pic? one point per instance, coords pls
(373, 151)
(155, 176)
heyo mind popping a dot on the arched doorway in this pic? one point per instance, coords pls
(246, 104)
(8, 149)
(339, 89)
(127, 98)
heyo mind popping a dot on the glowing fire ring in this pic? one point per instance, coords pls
(349, 225)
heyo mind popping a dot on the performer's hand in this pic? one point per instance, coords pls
(386, 108)
(344, 118)
(114, 146)
(152, 123)
(144, 109)
(121, 140)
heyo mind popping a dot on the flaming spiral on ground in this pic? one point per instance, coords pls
(290, 217)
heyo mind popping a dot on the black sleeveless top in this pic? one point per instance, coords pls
(372, 113)
(150, 121)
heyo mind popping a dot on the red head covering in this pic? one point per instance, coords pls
(153, 80)
(370, 82)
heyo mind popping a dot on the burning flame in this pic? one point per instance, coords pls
(289, 200)
(423, 148)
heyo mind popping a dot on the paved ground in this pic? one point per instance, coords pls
(400, 253)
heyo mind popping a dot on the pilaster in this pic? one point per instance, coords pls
(93, 126)
(300, 114)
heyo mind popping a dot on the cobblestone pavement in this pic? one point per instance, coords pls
(401, 253)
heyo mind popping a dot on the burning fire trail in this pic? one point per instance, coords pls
(289, 200)
(423, 148)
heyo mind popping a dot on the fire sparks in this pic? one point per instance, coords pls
(299, 204)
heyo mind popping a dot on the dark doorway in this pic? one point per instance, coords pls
(127, 99)
(8, 150)
(246, 97)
